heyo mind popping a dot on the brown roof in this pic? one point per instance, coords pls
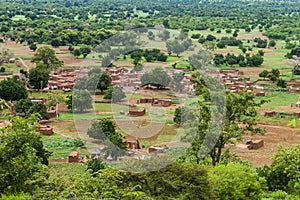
(73, 154)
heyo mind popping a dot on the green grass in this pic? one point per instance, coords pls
(172, 59)
(66, 169)
(12, 68)
(18, 17)
(278, 99)
(182, 64)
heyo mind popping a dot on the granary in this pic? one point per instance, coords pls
(73, 157)
(52, 112)
(256, 144)
(141, 112)
(46, 130)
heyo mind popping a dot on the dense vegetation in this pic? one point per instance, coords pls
(30, 164)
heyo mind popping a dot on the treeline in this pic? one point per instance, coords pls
(88, 21)
(241, 60)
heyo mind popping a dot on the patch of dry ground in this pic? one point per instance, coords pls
(275, 136)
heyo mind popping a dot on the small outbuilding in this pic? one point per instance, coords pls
(73, 157)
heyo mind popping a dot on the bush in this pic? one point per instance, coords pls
(283, 174)
(236, 181)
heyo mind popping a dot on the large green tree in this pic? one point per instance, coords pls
(12, 89)
(104, 130)
(22, 156)
(47, 56)
(23, 106)
(38, 77)
(239, 116)
(96, 75)
(116, 94)
(81, 100)
(157, 77)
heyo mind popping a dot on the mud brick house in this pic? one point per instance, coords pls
(62, 80)
(164, 102)
(134, 144)
(141, 112)
(73, 157)
(146, 100)
(260, 94)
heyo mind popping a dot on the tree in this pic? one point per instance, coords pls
(177, 79)
(95, 165)
(68, 101)
(281, 83)
(240, 110)
(273, 75)
(174, 47)
(47, 56)
(33, 47)
(116, 94)
(22, 156)
(39, 108)
(157, 77)
(12, 89)
(100, 77)
(55, 43)
(81, 100)
(210, 37)
(23, 106)
(263, 74)
(96, 132)
(38, 77)
(272, 43)
(219, 59)
(283, 173)
(76, 52)
(85, 51)
(104, 130)
(236, 181)
(248, 30)
(164, 35)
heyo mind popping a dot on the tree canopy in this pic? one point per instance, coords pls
(46, 56)
(157, 77)
(12, 89)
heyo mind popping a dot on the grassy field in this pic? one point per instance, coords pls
(277, 99)
(18, 17)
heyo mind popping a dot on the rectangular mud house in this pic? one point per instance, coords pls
(138, 112)
(73, 157)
